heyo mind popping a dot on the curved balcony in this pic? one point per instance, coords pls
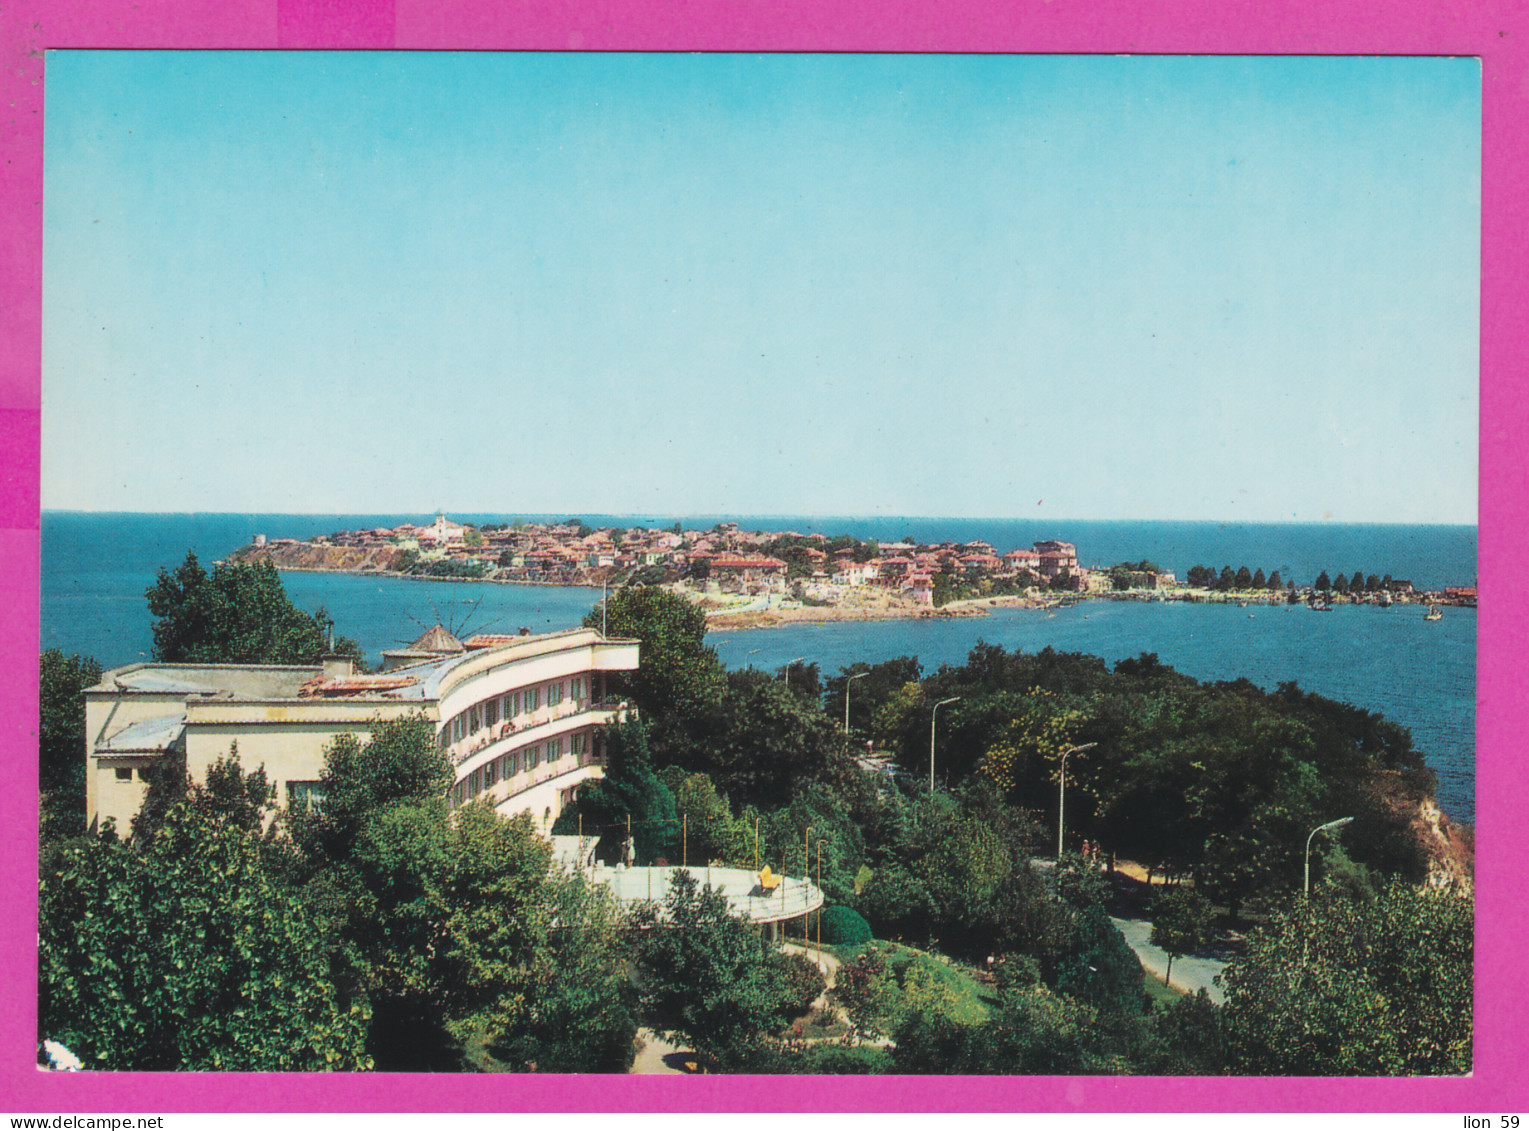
(485, 745)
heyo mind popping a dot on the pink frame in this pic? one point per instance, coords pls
(1493, 31)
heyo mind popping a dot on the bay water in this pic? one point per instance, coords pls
(96, 568)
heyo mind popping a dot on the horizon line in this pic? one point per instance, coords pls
(655, 516)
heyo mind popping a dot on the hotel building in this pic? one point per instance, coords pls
(519, 718)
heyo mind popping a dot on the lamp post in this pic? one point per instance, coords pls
(806, 873)
(785, 672)
(850, 680)
(1306, 887)
(932, 716)
(1061, 802)
(604, 597)
(820, 906)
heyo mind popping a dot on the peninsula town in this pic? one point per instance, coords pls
(743, 578)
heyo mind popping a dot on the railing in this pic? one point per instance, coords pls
(465, 748)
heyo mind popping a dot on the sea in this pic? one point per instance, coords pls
(96, 568)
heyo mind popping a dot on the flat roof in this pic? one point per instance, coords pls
(792, 899)
(146, 736)
(240, 681)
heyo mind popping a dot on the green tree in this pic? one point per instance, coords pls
(630, 794)
(679, 678)
(1259, 580)
(400, 762)
(1033, 1032)
(1323, 583)
(1181, 924)
(1337, 986)
(1243, 580)
(713, 832)
(1099, 967)
(1188, 1039)
(1275, 584)
(186, 956)
(61, 740)
(1080, 883)
(708, 976)
(764, 742)
(456, 929)
(462, 940)
(1341, 585)
(238, 614)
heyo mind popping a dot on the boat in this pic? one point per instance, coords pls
(1321, 607)
(1434, 613)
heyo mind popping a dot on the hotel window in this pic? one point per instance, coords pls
(578, 744)
(474, 719)
(490, 775)
(511, 765)
(476, 785)
(533, 757)
(533, 698)
(516, 698)
(124, 773)
(307, 794)
(554, 694)
(576, 689)
(491, 712)
(554, 749)
(458, 728)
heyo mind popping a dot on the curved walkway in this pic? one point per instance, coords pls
(1189, 973)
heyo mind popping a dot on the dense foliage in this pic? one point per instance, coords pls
(186, 954)
(457, 930)
(61, 740)
(710, 977)
(1217, 780)
(1344, 986)
(377, 929)
(237, 614)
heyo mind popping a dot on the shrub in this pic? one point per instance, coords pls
(803, 982)
(844, 926)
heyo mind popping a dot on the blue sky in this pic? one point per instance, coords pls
(1074, 287)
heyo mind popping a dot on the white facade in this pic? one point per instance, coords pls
(519, 718)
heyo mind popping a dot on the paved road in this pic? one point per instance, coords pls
(1189, 973)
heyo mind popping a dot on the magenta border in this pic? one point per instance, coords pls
(1494, 30)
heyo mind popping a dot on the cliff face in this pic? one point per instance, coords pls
(1451, 848)
(307, 555)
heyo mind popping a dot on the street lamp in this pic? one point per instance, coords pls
(806, 876)
(820, 906)
(1306, 888)
(850, 680)
(1061, 802)
(932, 716)
(785, 672)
